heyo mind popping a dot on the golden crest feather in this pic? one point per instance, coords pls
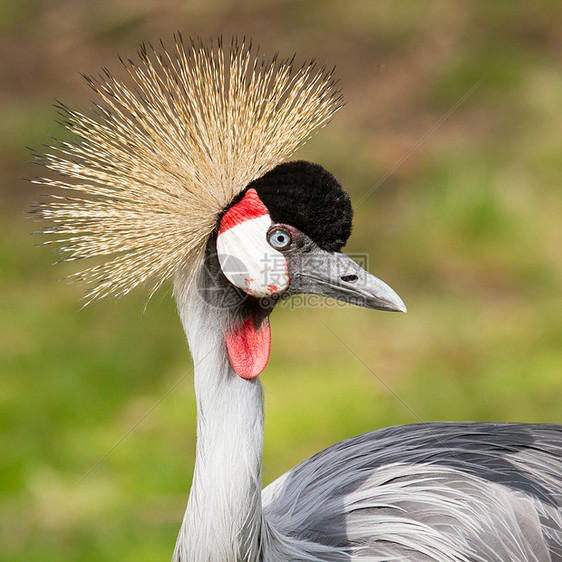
(168, 150)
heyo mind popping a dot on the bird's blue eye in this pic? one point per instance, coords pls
(279, 238)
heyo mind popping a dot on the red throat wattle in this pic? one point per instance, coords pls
(248, 347)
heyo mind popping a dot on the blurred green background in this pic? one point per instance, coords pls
(97, 414)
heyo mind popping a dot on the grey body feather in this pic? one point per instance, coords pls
(437, 491)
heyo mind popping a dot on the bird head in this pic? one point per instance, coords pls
(189, 154)
(283, 236)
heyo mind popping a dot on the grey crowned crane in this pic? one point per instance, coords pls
(183, 172)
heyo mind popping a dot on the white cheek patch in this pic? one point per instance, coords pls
(246, 258)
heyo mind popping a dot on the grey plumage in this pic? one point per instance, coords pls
(437, 491)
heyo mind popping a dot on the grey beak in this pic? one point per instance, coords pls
(335, 275)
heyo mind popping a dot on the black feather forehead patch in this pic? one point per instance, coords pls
(310, 198)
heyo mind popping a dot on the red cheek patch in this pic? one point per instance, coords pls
(248, 208)
(249, 346)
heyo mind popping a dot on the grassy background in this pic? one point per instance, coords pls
(467, 229)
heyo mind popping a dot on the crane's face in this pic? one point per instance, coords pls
(270, 260)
